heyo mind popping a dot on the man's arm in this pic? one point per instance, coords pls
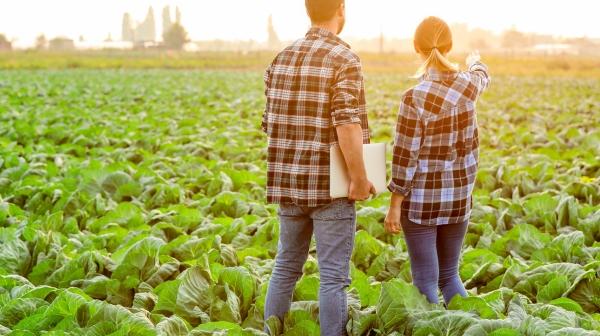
(351, 145)
(267, 80)
(346, 100)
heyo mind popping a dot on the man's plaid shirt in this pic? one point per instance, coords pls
(436, 149)
(312, 86)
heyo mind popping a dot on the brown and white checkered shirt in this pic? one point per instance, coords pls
(312, 86)
(436, 149)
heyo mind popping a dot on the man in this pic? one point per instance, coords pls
(315, 98)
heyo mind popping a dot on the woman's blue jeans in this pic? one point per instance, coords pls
(434, 253)
(334, 226)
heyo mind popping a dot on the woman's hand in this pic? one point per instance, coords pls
(473, 58)
(392, 221)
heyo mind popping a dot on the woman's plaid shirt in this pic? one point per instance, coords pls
(436, 149)
(312, 86)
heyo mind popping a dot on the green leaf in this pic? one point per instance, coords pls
(17, 309)
(226, 305)
(14, 256)
(473, 304)
(553, 289)
(567, 304)
(587, 294)
(194, 294)
(242, 283)
(217, 185)
(368, 290)
(217, 326)
(274, 326)
(307, 288)
(230, 204)
(361, 322)
(140, 260)
(450, 323)
(167, 297)
(397, 302)
(366, 249)
(125, 214)
(126, 322)
(172, 326)
(522, 240)
(505, 332)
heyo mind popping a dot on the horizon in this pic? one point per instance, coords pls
(96, 20)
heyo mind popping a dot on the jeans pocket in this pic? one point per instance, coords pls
(289, 210)
(340, 208)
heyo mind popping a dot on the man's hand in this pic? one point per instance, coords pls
(360, 190)
(473, 58)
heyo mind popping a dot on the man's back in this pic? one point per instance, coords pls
(312, 86)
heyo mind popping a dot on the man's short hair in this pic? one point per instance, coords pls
(322, 10)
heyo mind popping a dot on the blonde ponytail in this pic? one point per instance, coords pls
(434, 38)
(436, 60)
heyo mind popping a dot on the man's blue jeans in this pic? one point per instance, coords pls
(334, 226)
(434, 253)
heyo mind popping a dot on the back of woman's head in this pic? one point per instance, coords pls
(433, 40)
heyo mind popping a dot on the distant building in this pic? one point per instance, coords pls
(139, 33)
(584, 45)
(273, 41)
(482, 40)
(177, 15)
(61, 44)
(41, 42)
(167, 21)
(554, 49)
(104, 45)
(146, 31)
(5, 44)
(127, 29)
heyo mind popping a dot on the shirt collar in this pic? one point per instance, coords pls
(434, 74)
(324, 33)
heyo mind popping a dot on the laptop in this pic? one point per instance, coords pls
(374, 158)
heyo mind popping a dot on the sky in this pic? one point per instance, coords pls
(23, 20)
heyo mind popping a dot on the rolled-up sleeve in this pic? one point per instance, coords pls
(480, 76)
(265, 117)
(407, 145)
(347, 93)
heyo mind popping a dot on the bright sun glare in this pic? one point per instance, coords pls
(246, 19)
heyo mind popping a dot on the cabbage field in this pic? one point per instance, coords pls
(132, 203)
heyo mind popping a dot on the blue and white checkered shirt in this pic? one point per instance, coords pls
(436, 149)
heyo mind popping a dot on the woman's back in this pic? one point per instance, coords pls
(435, 162)
(437, 145)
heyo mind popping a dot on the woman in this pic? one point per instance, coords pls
(435, 161)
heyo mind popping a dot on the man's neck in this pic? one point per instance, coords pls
(331, 26)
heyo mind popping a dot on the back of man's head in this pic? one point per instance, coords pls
(321, 11)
